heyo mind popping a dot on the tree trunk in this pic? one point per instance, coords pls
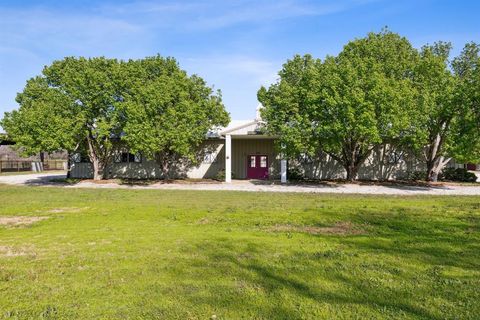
(98, 163)
(352, 171)
(435, 161)
(435, 167)
(98, 169)
(352, 157)
(69, 163)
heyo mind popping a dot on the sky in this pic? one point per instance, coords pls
(236, 46)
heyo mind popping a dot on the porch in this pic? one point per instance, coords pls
(249, 154)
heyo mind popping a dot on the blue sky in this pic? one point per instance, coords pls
(237, 46)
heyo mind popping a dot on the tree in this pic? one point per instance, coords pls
(100, 105)
(467, 129)
(168, 113)
(432, 136)
(345, 105)
(73, 105)
(446, 120)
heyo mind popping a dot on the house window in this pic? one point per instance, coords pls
(252, 161)
(79, 158)
(263, 161)
(127, 157)
(395, 157)
(137, 157)
(210, 157)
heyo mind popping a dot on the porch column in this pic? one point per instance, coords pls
(283, 171)
(228, 158)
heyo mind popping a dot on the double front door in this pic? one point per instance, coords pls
(257, 167)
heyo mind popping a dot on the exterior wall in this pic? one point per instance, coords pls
(454, 164)
(148, 169)
(377, 167)
(242, 148)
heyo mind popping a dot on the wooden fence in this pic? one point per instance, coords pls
(23, 165)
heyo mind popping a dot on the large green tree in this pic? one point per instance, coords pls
(435, 112)
(446, 120)
(99, 105)
(72, 106)
(467, 68)
(344, 105)
(168, 113)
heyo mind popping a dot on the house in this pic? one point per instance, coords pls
(239, 150)
(242, 151)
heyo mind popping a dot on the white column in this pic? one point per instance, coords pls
(228, 158)
(283, 171)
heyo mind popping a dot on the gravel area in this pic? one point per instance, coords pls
(45, 179)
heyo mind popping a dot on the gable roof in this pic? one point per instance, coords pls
(236, 125)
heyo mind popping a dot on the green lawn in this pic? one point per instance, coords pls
(149, 254)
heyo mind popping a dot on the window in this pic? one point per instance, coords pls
(252, 161)
(210, 157)
(395, 157)
(137, 157)
(79, 158)
(126, 157)
(263, 161)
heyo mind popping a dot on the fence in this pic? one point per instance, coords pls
(23, 165)
(55, 165)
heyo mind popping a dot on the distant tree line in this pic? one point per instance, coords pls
(379, 90)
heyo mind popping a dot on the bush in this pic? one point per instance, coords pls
(295, 174)
(459, 174)
(415, 175)
(220, 176)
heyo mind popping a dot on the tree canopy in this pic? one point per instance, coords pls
(167, 112)
(344, 105)
(99, 105)
(378, 90)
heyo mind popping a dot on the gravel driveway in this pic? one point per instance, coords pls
(45, 179)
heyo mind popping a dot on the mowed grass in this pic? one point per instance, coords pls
(154, 254)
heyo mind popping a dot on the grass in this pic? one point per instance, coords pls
(149, 254)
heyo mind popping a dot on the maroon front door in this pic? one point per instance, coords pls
(257, 167)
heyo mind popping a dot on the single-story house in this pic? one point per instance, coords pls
(242, 151)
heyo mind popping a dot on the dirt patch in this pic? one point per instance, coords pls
(8, 251)
(340, 228)
(204, 220)
(65, 209)
(15, 221)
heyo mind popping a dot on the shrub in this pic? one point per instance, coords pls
(415, 175)
(295, 174)
(220, 176)
(459, 174)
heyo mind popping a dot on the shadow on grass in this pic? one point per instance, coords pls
(275, 280)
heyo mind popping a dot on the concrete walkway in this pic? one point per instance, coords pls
(46, 179)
